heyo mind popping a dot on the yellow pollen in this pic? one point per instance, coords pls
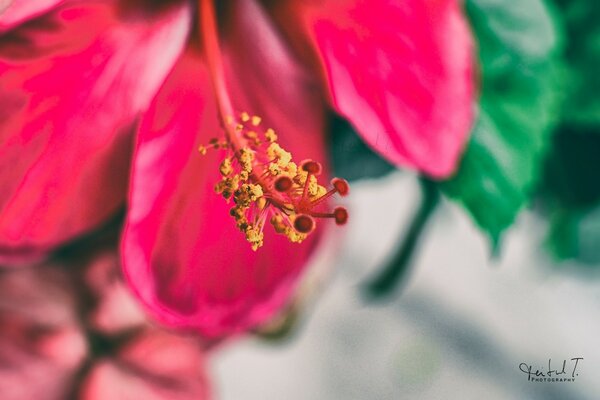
(255, 191)
(255, 237)
(270, 135)
(253, 176)
(313, 186)
(261, 203)
(280, 227)
(245, 159)
(321, 190)
(275, 152)
(225, 168)
(274, 169)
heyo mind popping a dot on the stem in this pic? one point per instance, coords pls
(391, 275)
(210, 38)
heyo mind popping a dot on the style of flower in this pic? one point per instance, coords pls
(253, 79)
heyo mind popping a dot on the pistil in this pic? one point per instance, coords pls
(257, 173)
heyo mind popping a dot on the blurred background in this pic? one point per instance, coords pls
(433, 290)
(459, 328)
(442, 289)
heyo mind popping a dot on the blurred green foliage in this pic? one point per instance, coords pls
(581, 19)
(537, 135)
(570, 194)
(519, 50)
(570, 191)
(352, 158)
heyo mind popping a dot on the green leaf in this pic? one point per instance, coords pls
(352, 158)
(581, 19)
(571, 177)
(575, 234)
(519, 48)
(570, 194)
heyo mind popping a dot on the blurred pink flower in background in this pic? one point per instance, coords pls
(78, 79)
(70, 329)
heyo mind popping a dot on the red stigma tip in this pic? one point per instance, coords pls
(283, 184)
(341, 185)
(341, 215)
(312, 167)
(304, 223)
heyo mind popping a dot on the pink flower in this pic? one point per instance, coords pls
(77, 78)
(70, 329)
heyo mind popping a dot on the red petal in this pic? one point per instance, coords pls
(13, 12)
(71, 82)
(182, 253)
(401, 72)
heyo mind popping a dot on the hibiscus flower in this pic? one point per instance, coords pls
(253, 79)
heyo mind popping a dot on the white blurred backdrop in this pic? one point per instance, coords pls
(459, 330)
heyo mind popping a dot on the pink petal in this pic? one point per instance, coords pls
(401, 72)
(14, 12)
(71, 85)
(156, 366)
(41, 345)
(116, 310)
(182, 253)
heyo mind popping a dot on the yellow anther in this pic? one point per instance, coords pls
(321, 190)
(255, 191)
(294, 236)
(225, 168)
(220, 186)
(265, 184)
(313, 186)
(274, 168)
(261, 203)
(255, 237)
(300, 177)
(285, 158)
(234, 182)
(245, 159)
(270, 135)
(275, 152)
(238, 214)
(278, 224)
(224, 188)
(292, 169)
